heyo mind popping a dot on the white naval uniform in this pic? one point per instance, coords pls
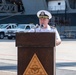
(48, 29)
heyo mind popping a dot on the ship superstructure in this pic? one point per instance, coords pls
(31, 7)
(24, 11)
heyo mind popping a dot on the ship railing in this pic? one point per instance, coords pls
(9, 8)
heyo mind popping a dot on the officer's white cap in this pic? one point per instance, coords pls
(44, 13)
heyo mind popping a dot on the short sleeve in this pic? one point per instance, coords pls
(57, 35)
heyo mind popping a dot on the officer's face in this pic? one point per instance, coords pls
(43, 21)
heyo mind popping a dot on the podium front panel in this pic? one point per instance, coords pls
(45, 55)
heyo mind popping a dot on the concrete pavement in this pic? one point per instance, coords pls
(7, 73)
(65, 57)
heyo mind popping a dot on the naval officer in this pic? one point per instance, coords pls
(44, 18)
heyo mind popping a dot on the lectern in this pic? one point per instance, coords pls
(36, 53)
